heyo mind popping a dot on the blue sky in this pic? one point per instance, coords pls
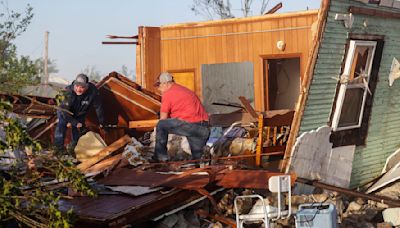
(77, 28)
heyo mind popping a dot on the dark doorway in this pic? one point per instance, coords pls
(283, 83)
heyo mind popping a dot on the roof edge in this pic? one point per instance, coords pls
(241, 19)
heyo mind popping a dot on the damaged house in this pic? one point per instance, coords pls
(311, 62)
(322, 84)
(351, 88)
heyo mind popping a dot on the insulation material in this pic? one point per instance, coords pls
(313, 158)
(133, 152)
(391, 215)
(89, 145)
(241, 145)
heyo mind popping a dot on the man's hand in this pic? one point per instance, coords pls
(69, 125)
(79, 125)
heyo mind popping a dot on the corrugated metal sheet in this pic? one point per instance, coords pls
(384, 124)
(224, 83)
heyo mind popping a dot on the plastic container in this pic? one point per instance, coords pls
(316, 215)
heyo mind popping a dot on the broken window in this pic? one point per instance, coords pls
(354, 85)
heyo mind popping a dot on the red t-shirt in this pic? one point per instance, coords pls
(181, 103)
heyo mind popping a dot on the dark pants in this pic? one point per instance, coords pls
(196, 133)
(61, 129)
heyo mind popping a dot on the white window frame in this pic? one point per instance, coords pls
(344, 86)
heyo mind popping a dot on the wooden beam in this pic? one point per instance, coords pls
(105, 152)
(307, 78)
(259, 139)
(119, 42)
(275, 8)
(374, 12)
(104, 165)
(248, 107)
(143, 123)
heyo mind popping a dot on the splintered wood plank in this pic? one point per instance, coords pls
(102, 166)
(105, 152)
(143, 123)
(248, 107)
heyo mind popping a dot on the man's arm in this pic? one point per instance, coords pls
(67, 104)
(163, 115)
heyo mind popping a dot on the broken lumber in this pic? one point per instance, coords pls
(143, 123)
(380, 199)
(104, 152)
(248, 107)
(106, 164)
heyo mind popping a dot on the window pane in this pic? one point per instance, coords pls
(360, 64)
(351, 107)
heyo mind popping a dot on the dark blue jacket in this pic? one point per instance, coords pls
(79, 105)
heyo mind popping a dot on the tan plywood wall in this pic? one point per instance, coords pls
(188, 46)
(148, 58)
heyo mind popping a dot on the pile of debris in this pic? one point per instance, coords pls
(229, 184)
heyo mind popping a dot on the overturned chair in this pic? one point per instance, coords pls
(265, 212)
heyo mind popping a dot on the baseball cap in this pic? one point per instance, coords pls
(81, 80)
(163, 78)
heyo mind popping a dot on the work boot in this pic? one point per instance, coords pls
(71, 149)
(155, 159)
(59, 150)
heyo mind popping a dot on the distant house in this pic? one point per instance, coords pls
(55, 85)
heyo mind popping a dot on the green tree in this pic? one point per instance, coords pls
(15, 72)
(128, 73)
(24, 196)
(51, 64)
(223, 8)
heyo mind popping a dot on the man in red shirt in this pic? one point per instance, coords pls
(182, 114)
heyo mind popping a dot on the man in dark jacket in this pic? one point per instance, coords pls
(79, 97)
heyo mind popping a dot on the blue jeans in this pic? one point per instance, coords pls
(196, 133)
(61, 129)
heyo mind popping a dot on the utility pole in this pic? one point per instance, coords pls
(45, 78)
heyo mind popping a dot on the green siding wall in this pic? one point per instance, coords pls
(384, 125)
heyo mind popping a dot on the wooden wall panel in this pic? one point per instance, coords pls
(148, 63)
(188, 46)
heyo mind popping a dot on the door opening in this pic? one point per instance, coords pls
(283, 83)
